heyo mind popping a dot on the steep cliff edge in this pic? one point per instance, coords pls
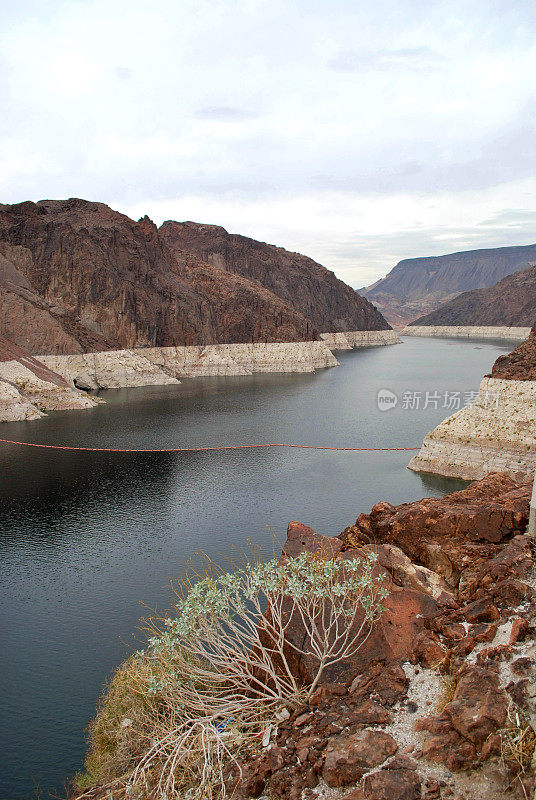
(418, 286)
(313, 290)
(497, 432)
(510, 302)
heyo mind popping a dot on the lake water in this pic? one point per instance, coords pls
(87, 537)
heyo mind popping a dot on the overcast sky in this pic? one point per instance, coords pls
(357, 132)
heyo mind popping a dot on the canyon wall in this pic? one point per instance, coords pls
(511, 302)
(418, 286)
(351, 339)
(321, 297)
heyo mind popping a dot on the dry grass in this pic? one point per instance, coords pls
(448, 683)
(119, 731)
(518, 743)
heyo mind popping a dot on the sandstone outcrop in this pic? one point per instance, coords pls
(314, 291)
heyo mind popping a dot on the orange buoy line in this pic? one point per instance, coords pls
(198, 449)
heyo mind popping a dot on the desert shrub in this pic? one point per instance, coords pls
(218, 673)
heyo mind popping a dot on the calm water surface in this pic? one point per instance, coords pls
(87, 537)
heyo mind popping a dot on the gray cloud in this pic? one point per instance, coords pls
(125, 73)
(388, 109)
(224, 114)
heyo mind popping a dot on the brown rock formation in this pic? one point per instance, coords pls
(510, 302)
(76, 276)
(418, 286)
(313, 290)
(451, 535)
(520, 364)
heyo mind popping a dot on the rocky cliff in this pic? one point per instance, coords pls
(510, 302)
(78, 277)
(495, 432)
(418, 286)
(314, 291)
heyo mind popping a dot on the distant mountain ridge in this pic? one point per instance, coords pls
(329, 303)
(78, 277)
(510, 302)
(418, 286)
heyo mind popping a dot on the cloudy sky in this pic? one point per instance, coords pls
(357, 132)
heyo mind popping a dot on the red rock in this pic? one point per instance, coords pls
(78, 277)
(427, 649)
(522, 666)
(387, 682)
(491, 747)
(301, 538)
(458, 533)
(511, 592)
(484, 633)
(520, 628)
(354, 794)
(453, 630)
(451, 750)
(481, 611)
(520, 364)
(392, 636)
(479, 706)
(348, 758)
(396, 784)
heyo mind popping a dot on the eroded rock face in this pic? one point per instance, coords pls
(379, 727)
(418, 286)
(446, 621)
(78, 277)
(478, 709)
(348, 758)
(314, 291)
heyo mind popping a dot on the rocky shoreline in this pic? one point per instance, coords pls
(467, 331)
(25, 395)
(496, 432)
